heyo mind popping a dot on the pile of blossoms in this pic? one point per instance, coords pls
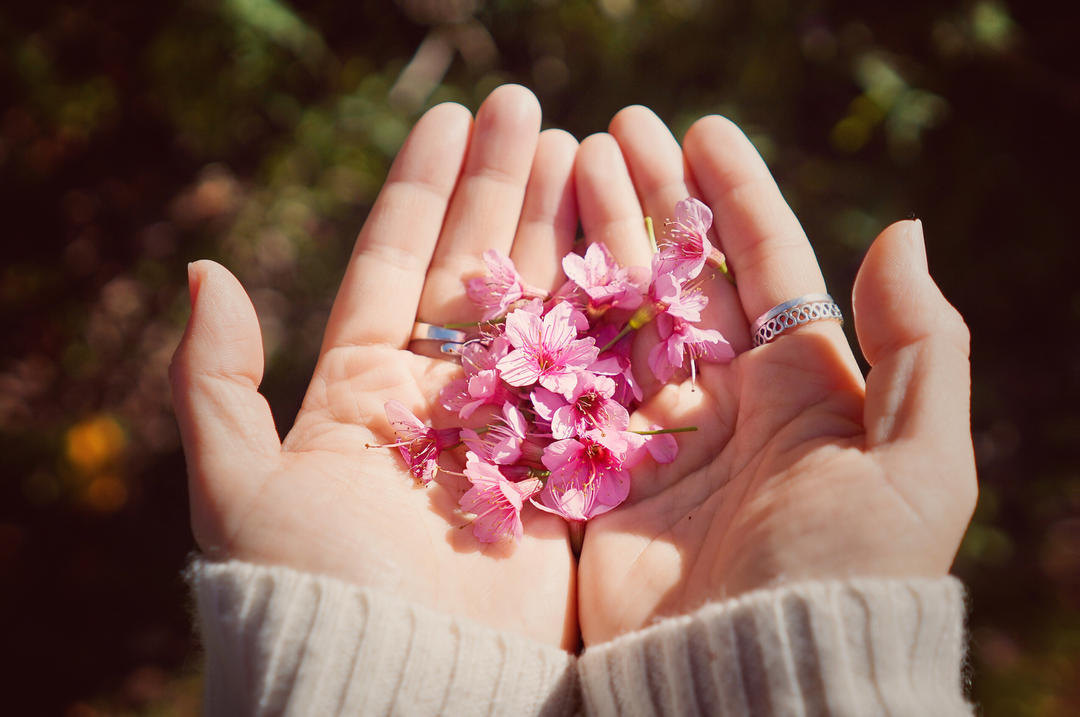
(556, 373)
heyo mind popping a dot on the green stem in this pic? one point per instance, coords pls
(718, 261)
(623, 332)
(660, 431)
(727, 272)
(642, 316)
(652, 235)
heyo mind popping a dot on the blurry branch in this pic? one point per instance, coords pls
(453, 29)
(432, 59)
(424, 71)
(284, 27)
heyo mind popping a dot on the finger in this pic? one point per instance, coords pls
(607, 202)
(656, 166)
(395, 246)
(225, 424)
(766, 248)
(484, 211)
(918, 391)
(611, 214)
(549, 217)
(902, 320)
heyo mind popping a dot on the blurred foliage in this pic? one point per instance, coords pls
(135, 137)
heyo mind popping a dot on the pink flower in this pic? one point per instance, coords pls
(481, 385)
(679, 338)
(500, 287)
(672, 295)
(420, 445)
(627, 388)
(590, 406)
(615, 362)
(546, 351)
(504, 442)
(495, 500)
(686, 247)
(662, 447)
(588, 476)
(601, 277)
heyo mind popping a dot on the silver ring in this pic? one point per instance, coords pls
(425, 332)
(788, 315)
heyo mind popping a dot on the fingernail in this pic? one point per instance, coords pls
(918, 243)
(193, 282)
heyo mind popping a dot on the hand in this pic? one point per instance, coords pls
(320, 501)
(799, 469)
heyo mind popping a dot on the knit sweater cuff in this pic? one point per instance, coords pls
(279, 641)
(856, 647)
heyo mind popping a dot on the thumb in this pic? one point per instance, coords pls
(918, 392)
(225, 424)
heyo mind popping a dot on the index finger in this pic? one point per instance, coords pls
(395, 246)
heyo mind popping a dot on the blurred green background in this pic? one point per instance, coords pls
(135, 137)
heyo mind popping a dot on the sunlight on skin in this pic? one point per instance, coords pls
(324, 503)
(795, 472)
(779, 484)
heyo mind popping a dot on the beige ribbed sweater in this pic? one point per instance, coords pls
(279, 641)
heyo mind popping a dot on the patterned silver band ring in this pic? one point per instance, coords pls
(788, 315)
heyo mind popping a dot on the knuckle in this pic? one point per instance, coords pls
(956, 329)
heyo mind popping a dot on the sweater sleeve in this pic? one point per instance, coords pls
(278, 641)
(845, 648)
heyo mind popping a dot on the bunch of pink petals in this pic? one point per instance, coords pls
(557, 374)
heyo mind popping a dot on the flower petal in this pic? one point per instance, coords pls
(563, 424)
(558, 453)
(518, 369)
(694, 214)
(546, 402)
(662, 447)
(403, 421)
(522, 328)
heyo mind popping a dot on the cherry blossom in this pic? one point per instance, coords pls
(505, 440)
(676, 297)
(481, 385)
(686, 247)
(589, 406)
(679, 338)
(560, 369)
(495, 500)
(588, 475)
(420, 444)
(500, 287)
(546, 351)
(606, 283)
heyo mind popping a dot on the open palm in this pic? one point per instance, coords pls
(799, 470)
(322, 502)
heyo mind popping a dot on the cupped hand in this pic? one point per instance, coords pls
(800, 469)
(319, 500)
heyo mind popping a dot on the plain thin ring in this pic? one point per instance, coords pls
(788, 315)
(429, 332)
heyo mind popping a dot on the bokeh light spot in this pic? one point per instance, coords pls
(105, 494)
(94, 443)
